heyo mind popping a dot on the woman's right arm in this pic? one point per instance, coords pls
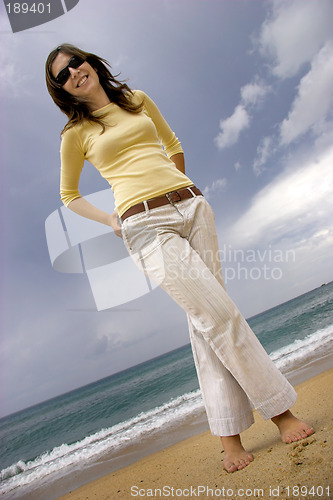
(72, 160)
(82, 207)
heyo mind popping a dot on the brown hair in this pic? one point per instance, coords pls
(118, 92)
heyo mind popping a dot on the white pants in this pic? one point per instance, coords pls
(176, 246)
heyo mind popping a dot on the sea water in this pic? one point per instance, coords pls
(100, 427)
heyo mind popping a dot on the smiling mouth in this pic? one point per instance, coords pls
(82, 81)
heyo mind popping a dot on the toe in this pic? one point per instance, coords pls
(298, 435)
(231, 468)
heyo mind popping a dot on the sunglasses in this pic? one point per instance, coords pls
(64, 74)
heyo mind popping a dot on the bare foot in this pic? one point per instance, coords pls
(236, 458)
(291, 428)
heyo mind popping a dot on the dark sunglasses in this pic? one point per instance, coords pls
(64, 74)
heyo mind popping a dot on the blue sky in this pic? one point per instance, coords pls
(246, 85)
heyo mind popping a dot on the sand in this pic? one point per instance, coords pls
(192, 468)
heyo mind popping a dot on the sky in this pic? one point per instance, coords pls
(247, 87)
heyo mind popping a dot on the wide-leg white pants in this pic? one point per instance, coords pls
(176, 246)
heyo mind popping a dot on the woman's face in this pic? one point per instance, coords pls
(83, 81)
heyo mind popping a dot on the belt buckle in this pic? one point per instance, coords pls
(169, 195)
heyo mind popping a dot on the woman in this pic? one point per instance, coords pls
(168, 228)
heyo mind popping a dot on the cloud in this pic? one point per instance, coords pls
(264, 151)
(15, 80)
(232, 127)
(294, 33)
(253, 93)
(296, 206)
(290, 48)
(314, 99)
(217, 186)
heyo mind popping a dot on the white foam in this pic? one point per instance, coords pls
(313, 346)
(78, 454)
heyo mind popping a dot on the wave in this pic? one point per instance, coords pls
(79, 454)
(300, 352)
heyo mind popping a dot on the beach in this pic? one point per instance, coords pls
(146, 427)
(192, 467)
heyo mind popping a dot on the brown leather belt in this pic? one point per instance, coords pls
(172, 197)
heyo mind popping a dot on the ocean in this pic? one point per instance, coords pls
(55, 446)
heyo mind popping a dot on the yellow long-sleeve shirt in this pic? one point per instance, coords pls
(129, 154)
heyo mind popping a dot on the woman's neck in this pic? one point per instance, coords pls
(99, 100)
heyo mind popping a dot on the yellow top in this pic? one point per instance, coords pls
(129, 154)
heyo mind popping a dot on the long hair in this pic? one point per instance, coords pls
(77, 111)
